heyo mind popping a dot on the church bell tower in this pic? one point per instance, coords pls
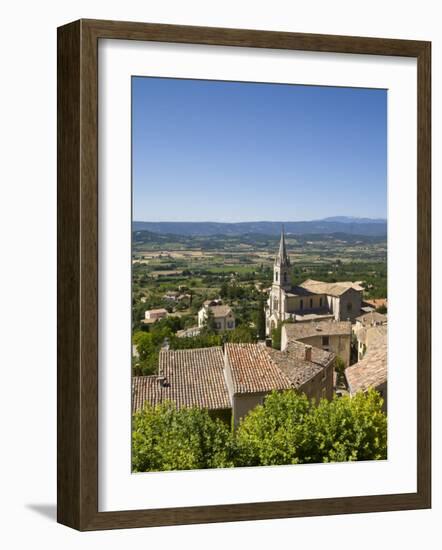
(281, 268)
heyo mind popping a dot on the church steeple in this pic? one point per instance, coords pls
(282, 257)
(281, 269)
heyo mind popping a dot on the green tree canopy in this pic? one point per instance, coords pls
(349, 428)
(274, 433)
(288, 429)
(241, 335)
(165, 438)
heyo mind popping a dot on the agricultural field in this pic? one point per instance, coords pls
(239, 269)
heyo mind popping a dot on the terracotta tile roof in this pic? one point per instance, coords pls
(296, 367)
(318, 355)
(146, 388)
(192, 378)
(331, 289)
(253, 370)
(371, 370)
(298, 331)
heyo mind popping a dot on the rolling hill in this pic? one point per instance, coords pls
(340, 224)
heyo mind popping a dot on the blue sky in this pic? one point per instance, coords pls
(231, 151)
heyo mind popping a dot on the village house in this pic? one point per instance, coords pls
(189, 378)
(330, 335)
(250, 376)
(223, 316)
(232, 381)
(371, 369)
(153, 315)
(311, 300)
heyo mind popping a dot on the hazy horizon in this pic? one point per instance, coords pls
(327, 218)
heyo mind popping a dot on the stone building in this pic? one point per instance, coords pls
(330, 335)
(231, 382)
(311, 300)
(223, 316)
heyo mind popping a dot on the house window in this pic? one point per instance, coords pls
(301, 304)
(311, 303)
(230, 324)
(285, 277)
(325, 340)
(276, 276)
(217, 325)
(320, 302)
(349, 306)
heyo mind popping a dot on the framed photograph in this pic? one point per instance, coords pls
(243, 275)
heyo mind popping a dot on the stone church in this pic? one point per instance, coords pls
(311, 300)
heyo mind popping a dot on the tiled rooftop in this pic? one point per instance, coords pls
(332, 289)
(298, 331)
(221, 311)
(299, 291)
(253, 370)
(294, 365)
(196, 377)
(191, 378)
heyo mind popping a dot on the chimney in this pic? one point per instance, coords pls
(162, 381)
(308, 353)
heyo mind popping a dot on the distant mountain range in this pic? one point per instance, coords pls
(352, 219)
(336, 224)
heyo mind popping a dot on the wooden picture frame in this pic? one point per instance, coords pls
(77, 461)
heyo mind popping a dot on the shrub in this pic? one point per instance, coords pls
(165, 438)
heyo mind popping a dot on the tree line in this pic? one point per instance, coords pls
(287, 429)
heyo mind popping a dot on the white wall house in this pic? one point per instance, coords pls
(223, 315)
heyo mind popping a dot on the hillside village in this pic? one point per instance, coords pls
(317, 337)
